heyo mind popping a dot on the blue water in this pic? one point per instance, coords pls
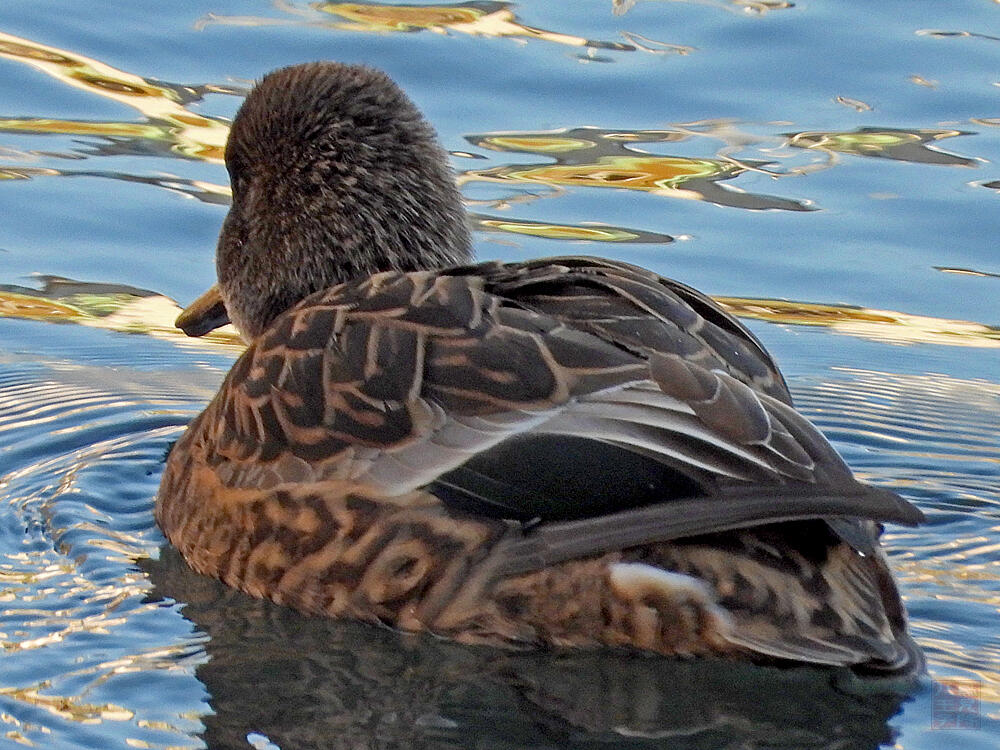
(870, 261)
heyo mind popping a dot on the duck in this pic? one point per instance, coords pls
(569, 452)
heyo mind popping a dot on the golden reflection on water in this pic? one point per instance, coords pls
(588, 232)
(107, 306)
(169, 122)
(580, 157)
(484, 18)
(491, 19)
(172, 128)
(880, 325)
(885, 143)
(921, 81)
(129, 310)
(76, 708)
(595, 157)
(68, 707)
(47, 595)
(584, 157)
(64, 624)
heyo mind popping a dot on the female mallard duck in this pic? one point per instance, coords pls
(568, 451)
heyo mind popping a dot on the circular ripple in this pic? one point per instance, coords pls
(86, 659)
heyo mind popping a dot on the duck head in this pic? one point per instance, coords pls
(335, 175)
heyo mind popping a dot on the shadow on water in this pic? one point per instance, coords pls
(306, 682)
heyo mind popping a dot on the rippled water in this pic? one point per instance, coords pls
(839, 165)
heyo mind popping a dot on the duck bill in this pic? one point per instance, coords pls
(205, 314)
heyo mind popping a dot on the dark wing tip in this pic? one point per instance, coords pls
(896, 509)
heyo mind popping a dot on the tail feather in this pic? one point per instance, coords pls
(817, 600)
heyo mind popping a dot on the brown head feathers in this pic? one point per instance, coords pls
(335, 175)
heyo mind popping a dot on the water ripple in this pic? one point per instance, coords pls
(936, 439)
(79, 465)
(933, 436)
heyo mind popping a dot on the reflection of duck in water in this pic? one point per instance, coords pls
(569, 451)
(336, 684)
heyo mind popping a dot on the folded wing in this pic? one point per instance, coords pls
(612, 406)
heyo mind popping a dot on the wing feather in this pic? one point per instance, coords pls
(405, 378)
(552, 543)
(637, 308)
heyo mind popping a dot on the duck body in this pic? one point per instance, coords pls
(564, 451)
(567, 452)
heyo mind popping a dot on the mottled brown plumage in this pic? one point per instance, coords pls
(569, 451)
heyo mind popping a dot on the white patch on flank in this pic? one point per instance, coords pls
(637, 580)
(634, 579)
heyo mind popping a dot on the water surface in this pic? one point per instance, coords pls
(826, 169)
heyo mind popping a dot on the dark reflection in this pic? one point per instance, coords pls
(313, 683)
(884, 143)
(942, 34)
(592, 157)
(967, 271)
